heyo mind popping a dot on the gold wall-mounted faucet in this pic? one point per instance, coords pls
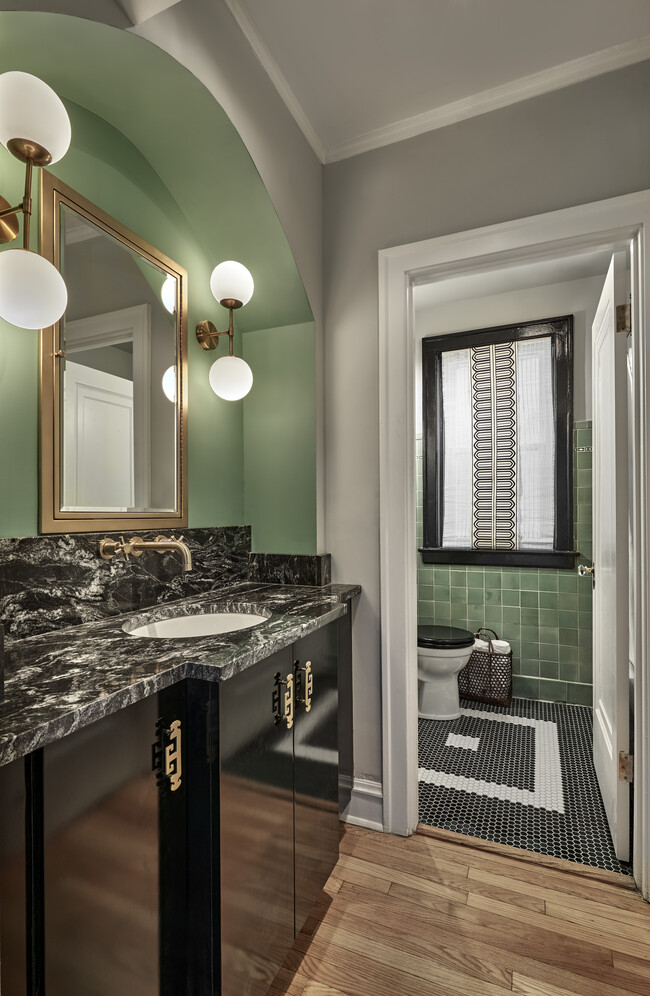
(135, 546)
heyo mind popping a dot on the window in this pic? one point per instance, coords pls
(498, 422)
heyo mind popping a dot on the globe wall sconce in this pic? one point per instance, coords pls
(35, 128)
(232, 286)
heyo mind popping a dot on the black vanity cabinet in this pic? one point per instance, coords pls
(271, 838)
(191, 879)
(93, 859)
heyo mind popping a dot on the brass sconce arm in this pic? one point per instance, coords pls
(207, 335)
(9, 226)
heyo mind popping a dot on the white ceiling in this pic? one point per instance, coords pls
(358, 74)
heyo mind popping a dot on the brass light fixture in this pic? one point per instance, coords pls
(35, 128)
(232, 286)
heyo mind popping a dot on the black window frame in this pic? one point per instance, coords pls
(563, 555)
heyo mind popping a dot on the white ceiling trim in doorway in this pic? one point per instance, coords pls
(618, 223)
(545, 81)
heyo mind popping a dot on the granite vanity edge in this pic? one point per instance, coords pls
(44, 732)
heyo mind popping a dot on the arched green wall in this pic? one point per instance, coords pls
(151, 147)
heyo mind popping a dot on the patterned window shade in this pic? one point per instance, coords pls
(498, 430)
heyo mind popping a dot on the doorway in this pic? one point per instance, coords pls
(603, 227)
(522, 775)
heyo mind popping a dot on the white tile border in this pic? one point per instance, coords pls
(548, 792)
(465, 743)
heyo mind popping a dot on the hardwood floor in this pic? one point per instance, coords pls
(436, 914)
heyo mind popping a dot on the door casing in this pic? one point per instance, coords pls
(618, 223)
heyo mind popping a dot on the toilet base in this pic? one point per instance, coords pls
(439, 699)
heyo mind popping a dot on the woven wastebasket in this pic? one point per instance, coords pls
(487, 677)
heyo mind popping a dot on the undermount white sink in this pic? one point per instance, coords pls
(199, 624)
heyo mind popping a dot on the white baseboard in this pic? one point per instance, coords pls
(366, 807)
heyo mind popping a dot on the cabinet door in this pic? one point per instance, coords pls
(13, 894)
(316, 766)
(256, 826)
(104, 856)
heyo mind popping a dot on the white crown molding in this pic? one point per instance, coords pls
(276, 76)
(555, 78)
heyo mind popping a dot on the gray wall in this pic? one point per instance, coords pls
(581, 144)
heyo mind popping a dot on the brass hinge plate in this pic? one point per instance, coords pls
(623, 318)
(625, 767)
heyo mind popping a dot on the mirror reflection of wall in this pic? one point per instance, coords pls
(118, 450)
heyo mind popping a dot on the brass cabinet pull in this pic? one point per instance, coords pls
(304, 698)
(283, 705)
(166, 754)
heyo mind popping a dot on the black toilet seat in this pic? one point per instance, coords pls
(444, 637)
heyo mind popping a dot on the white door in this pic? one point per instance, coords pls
(98, 440)
(610, 547)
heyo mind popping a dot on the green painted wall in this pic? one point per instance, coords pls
(546, 615)
(280, 439)
(107, 169)
(136, 118)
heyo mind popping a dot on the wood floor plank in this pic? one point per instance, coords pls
(419, 917)
(635, 910)
(593, 935)
(637, 929)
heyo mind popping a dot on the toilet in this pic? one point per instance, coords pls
(443, 651)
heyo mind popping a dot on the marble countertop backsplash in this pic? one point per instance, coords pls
(62, 680)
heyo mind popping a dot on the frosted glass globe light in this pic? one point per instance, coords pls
(231, 378)
(169, 384)
(33, 294)
(231, 280)
(168, 293)
(30, 109)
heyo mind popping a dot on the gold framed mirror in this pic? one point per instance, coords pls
(113, 376)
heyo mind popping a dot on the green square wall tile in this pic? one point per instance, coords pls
(529, 581)
(568, 583)
(510, 597)
(549, 652)
(548, 599)
(568, 637)
(548, 634)
(585, 655)
(529, 649)
(441, 592)
(552, 691)
(425, 592)
(586, 674)
(529, 667)
(585, 599)
(567, 620)
(548, 617)
(493, 596)
(475, 596)
(511, 614)
(458, 577)
(548, 669)
(510, 579)
(475, 580)
(529, 599)
(442, 613)
(425, 610)
(547, 581)
(530, 617)
(569, 672)
(583, 479)
(511, 632)
(493, 616)
(585, 621)
(580, 694)
(525, 688)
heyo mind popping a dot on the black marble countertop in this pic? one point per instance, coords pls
(63, 680)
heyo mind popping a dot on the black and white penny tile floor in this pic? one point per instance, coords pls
(522, 776)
